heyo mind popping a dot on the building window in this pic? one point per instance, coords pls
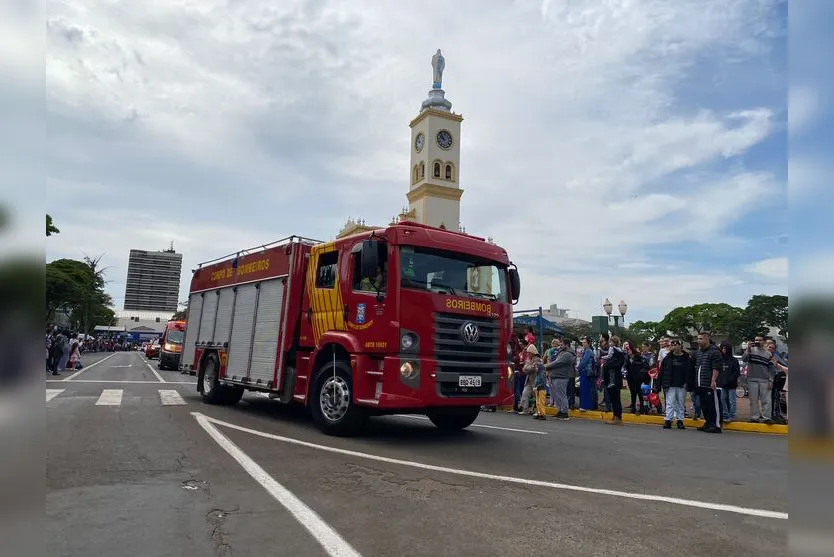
(448, 171)
(437, 170)
(416, 174)
(422, 170)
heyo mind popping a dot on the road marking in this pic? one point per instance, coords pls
(334, 544)
(150, 367)
(82, 370)
(52, 393)
(170, 397)
(110, 397)
(509, 479)
(413, 417)
(128, 365)
(138, 381)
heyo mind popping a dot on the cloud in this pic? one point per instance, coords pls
(224, 125)
(774, 267)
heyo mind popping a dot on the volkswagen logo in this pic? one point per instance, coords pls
(469, 333)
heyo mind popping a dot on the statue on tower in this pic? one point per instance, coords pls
(438, 64)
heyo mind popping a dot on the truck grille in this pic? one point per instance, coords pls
(455, 356)
(451, 349)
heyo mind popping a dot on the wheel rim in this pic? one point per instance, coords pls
(334, 399)
(209, 376)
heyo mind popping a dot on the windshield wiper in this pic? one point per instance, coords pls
(492, 297)
(451, 290)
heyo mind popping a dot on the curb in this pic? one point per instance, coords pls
(774, 429)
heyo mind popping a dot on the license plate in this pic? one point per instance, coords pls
(469, 381)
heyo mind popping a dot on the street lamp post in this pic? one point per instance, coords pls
(608, 307)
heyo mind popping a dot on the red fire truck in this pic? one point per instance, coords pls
(406, 319)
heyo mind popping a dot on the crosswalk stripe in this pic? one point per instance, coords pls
(110, 397)
(52, 393)
(170, 397)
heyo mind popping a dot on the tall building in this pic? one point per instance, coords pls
(434, 193)
(153, 280)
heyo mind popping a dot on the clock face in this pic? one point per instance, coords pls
(419, 141)
(444, 139)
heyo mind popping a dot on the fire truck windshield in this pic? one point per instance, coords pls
(176, 337)
(458, 274)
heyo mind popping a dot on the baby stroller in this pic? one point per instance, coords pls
(651, 401)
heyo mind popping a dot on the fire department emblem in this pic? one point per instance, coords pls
(469, 333)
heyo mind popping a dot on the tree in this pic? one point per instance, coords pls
(649, 331)
(576, 329)
(77, 287)
(687, 322)
(768, 311)
(180, 315)
(50, 227)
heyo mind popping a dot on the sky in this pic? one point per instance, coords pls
(634, 150)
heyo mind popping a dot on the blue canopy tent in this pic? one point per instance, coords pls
(536, 321)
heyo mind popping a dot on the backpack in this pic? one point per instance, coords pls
(60, 343)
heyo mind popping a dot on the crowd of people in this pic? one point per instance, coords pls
(64, 348)
(659, 381)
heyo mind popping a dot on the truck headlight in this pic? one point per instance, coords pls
(409, 341)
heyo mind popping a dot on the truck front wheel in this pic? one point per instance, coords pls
(331, 404)
(453, 419)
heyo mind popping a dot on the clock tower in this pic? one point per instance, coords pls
(434, 194)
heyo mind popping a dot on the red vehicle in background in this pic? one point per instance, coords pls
(406, 319)
(152, 350)
(171, 345)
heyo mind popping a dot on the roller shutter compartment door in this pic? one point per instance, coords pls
(207, 320)
(241, 336)
(195, 309)
(267, 325)
(224, 316)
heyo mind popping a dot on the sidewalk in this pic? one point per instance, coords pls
(739, 424)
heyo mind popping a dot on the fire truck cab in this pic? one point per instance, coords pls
(407, 319)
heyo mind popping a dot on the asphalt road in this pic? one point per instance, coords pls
(138, 465)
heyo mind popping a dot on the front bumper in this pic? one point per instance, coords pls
(380, 383)
(171, 359)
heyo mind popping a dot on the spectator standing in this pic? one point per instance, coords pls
(708, 365)
(759, 380)
(587, 378)
(561, 370)
(648, 356)
(675, 370)
(604, 345)
(728, 380)
(537, 376)
(612, 364)
(780, 377)
(530, 370)
(635, 376)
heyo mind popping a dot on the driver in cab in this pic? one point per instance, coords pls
(375, 283)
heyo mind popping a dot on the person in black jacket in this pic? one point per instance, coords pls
(635, 376)
(708, 365)
(612, 365)
(675, 370)
(728, 380)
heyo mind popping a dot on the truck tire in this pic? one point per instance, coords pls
(211, 389)
(453, 419)
(331, 403)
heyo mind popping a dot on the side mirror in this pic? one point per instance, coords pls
(370, 258)
(515, 285)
